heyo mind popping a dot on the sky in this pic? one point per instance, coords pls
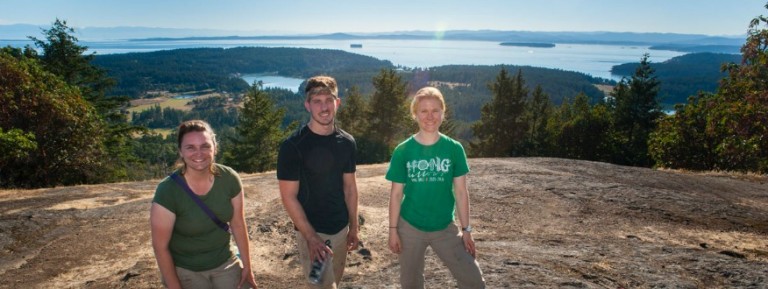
(708, 17)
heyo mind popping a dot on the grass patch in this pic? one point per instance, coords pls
(176, 103)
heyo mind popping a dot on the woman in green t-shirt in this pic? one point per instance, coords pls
(192, 251)
(428, 174)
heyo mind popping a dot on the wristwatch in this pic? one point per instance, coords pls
(467, 229)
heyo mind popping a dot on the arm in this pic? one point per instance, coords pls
(395, 201)
(351, 199)
(240, 233)
(462, 205)
(161, 222)
(289, 191)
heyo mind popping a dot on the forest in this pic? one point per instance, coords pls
(81, 133)
(685, 75)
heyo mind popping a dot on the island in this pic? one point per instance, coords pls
(528, 44)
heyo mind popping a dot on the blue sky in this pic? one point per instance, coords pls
(710, 17)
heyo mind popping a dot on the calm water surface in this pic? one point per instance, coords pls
(592, 59)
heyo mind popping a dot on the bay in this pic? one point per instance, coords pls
(274, 81)
(592, 59)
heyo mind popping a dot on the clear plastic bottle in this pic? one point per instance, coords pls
(318, 267)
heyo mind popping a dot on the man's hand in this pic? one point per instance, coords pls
(318, 249)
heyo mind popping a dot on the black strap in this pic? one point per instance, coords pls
(224, 226)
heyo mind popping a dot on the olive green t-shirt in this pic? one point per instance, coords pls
(427, 173)
(197, 243)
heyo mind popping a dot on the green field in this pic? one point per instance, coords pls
(177, 103)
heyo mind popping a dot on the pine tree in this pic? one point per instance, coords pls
(537, 116)
(63, 56)
(502, 127)
(353, 114)
(635, 113)
(259, 133)
(389, 115)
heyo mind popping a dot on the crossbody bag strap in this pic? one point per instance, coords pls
(224, 226)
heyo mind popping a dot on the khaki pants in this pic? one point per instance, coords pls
(334, 271)
(225, 276)
(448, 246)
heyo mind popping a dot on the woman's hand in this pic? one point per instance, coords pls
(469, 244)
(247, 276)
(394, 241)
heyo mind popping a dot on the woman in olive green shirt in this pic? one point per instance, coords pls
(191, 250)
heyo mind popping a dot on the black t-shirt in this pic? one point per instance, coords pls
(318, 162)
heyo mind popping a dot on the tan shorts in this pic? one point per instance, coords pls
(333, 273)
(225, 276)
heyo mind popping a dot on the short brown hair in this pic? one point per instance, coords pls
(321, 84)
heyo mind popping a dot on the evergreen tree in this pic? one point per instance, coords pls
(449, 126)
(64, 57)
(502, 127)
(353, 114)
(259, 134)
(537, 116)
(585, 135)
(635, 113)
(389, 116)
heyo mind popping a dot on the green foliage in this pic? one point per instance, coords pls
(537, 115)
(15, 144)
(585, 133)
(726, 130)
(155, 155)
(64, 57)
(353, 113)
(67, 130)
(259, 133)
(682, 140)
(470, 85)
(502, 126)
(389, 119)
(635, 113)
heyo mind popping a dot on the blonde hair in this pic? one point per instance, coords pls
(427, 92)
(321, 84)
(196, 125)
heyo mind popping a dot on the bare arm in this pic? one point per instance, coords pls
(461, 193)
(161, 222)
(395, 201)
(289, 191)
(240, 233)
(351, 199)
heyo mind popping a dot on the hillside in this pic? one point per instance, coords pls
(541, 223)
(684, 75)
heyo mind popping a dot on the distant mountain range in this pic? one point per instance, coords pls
(669, 41)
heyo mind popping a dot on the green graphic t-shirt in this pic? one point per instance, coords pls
(427, 173)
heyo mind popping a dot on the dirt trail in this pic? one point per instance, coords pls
(541, 223)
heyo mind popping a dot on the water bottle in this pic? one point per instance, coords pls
(318, 267)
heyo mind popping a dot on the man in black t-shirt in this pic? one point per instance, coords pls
(316, 173)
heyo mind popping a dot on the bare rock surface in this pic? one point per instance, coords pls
(540, 223)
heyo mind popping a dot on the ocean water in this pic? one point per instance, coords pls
(592, 59)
